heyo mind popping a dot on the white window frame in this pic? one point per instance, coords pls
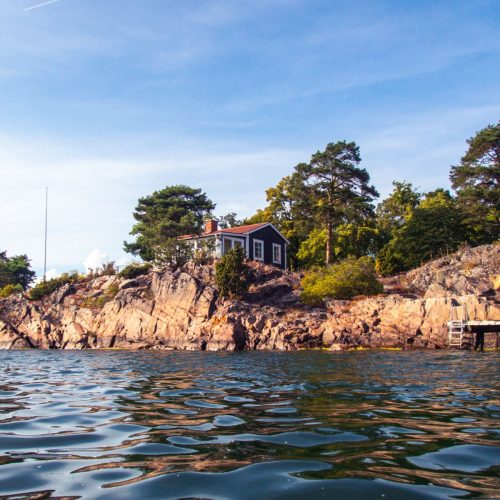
(241, 241)
(278, 260)
(256, 241)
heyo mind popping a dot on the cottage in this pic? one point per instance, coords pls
(261, 242)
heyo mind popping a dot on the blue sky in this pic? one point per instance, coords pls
(105, 101)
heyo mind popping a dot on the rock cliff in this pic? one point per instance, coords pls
(182, 310)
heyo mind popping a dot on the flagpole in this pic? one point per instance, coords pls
(45, 252)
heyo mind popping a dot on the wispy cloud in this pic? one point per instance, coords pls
(42, 4)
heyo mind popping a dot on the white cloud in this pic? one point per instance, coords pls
(95, 259)
(51, 273)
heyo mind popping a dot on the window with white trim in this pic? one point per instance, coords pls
(231, 243)
(258, 249)
(276, 253)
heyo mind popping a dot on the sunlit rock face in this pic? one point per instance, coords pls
(182, 310)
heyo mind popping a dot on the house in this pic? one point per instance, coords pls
(261, 242)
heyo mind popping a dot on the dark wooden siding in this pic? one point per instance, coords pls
(269, 236)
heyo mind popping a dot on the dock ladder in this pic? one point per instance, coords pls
(459, 336)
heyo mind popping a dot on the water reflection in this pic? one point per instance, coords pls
(246, 425)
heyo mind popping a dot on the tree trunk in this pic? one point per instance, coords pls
(329, 237)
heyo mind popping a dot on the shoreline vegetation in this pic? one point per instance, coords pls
(352, 265)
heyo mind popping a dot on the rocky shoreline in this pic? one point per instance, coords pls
(182, 310)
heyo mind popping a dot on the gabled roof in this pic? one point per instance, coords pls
(232, 230)
(244, 230)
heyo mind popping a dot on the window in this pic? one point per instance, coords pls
(258, 249)
(276, 253)
(231, 243)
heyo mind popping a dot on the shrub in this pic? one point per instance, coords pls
(45, 288)
(107, 269)
(173, 253)
(231, 273)
(9, 290)
(204, 254)
(134, 270)
(343, 281)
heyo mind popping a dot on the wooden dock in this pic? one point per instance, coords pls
(463, 331)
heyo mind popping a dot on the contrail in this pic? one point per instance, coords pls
(43, 4)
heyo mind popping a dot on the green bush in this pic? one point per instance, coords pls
(107, 269)
(134, 271)
(9, 290)
(45, 288)
(231, 274)
(173, 253)
(204, 253)
(342, 281)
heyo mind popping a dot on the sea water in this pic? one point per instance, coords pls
(249, 425)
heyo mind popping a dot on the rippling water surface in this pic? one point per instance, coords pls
(116, 424)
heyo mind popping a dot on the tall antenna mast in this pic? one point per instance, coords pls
(45, 253)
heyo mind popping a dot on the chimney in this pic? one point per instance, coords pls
(211, 226)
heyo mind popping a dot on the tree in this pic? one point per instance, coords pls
(337, 188)
(348, 240)
(393, 212)
(356, 240)
(231, 274)
(476, 181)
(15, 270)
(228, 220)
(312, 250)
(290, 210)
(435, 228)
(165, 215)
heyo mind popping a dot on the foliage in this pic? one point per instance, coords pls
(312, 250)
(337, 188)
(165, 215)
(107, 269)
(318, 197)
(342, 281)
(15, 271)
(44, 288)
(9, 290)
(204, 252)
(134, 270)
(435, 228)
(231, 273)
(290, 211)
(348, 240)
(228, 220)
(99, 302)
(355, 240)
(173, 253)
(397, 208)
(476, 181)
